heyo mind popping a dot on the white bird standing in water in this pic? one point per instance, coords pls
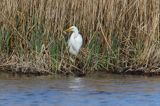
(75, 41)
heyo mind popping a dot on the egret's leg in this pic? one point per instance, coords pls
(71, 59)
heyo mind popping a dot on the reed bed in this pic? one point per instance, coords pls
(119, 35)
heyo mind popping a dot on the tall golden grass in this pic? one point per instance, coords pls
(116, 33)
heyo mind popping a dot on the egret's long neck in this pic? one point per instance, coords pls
(76, 31)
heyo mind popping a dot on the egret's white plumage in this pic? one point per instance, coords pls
(75, 41)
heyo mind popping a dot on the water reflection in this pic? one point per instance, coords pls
(98, 90)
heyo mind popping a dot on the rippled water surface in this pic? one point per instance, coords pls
(97, 90)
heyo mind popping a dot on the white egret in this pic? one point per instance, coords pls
(75, 41)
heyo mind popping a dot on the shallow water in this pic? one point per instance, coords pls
(96, 90)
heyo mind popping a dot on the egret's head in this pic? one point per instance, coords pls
(72, 29)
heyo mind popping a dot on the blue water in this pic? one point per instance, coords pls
(101, 90)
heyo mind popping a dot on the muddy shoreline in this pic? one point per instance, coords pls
(23, 70)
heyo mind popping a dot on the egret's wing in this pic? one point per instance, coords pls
(76, 45)
(79, 40)
(74, 48)
(75, 42)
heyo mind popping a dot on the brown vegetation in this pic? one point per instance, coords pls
(117, 34)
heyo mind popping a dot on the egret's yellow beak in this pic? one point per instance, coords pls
(68, 30)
